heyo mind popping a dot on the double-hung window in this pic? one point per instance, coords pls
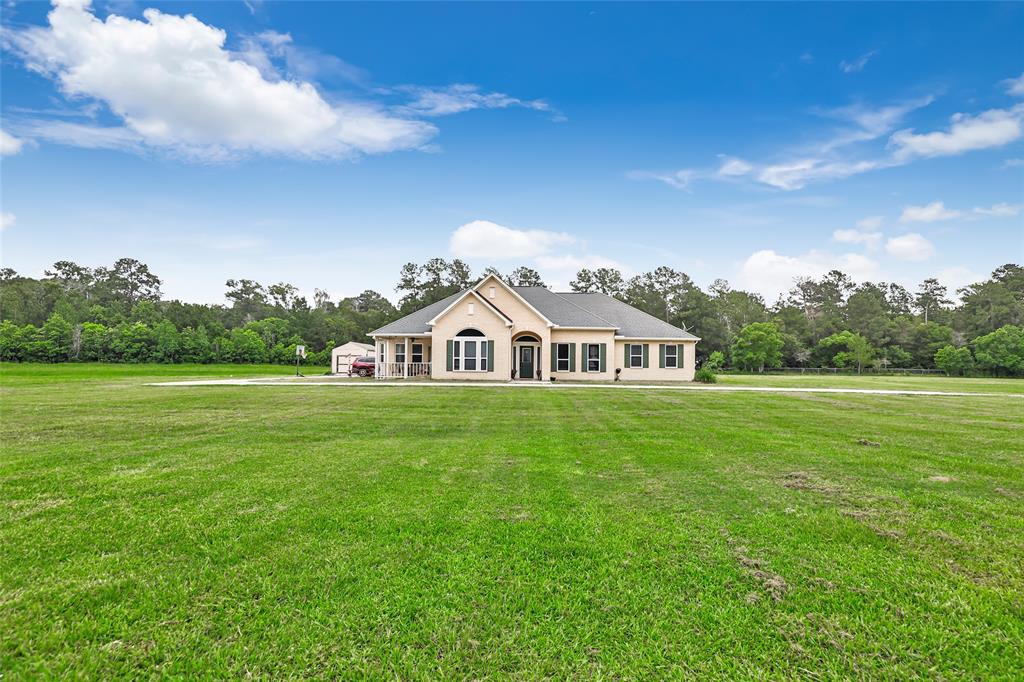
(636, 355)
(400, 353)
(562, 357)
(592, 357)
(417, 352)
(469, 355)
(672, 356)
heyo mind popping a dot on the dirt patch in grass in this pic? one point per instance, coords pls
(772, 584)
(868, 443)
(940, 479)
(803, 480)
(858, 507)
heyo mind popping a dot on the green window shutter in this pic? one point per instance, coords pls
(451, 353)
(554, 357)
(679, 356)
(490, 356)
(572, 357)
(646, 345)
(601, 351)
(625, 362)
(583, 356)
(661, 356)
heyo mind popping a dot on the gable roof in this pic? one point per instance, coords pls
(630, 322)
(464, 294)
(564, 309)
(416, 322)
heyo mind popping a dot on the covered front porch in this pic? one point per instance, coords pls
(403, 357)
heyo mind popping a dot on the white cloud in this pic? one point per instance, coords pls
(680, 179)
(1015, 86)
(929, 213)
(857, 64)
(482, 239)
(82, 134)
(1013, 163)
(992, 128)
(870, 223)
(461, 97)
(912, 247)
(7, 220)
(958, 276)
(732, 167)
(868, 239)
(771, 274)
(572, 263)
(176, 88)
(798, 174)
(1001, 210)
(9, 144)
(267, 49)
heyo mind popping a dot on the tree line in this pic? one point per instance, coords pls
(118, 314)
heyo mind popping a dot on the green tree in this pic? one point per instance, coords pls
(954, 361)
(757, 346)
(244, 346)
(848, 350)
(95, 343)
(54, 340)
(133, 342)
(606, 281)
(1002, 351)
(525, 277)
(195, 345)
(925, 340)
(931, 298)
(166, 343)
(15, 341)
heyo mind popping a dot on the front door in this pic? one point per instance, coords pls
(526, 362)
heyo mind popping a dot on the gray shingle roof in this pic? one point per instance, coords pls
(628, 320)
(560, 311)
(564, 310)
(416, 323)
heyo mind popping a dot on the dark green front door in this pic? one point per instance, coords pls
(526, 362)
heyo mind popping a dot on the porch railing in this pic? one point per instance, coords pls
(403, 370)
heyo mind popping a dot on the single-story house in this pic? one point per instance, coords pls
(494, 331)
(343, 355)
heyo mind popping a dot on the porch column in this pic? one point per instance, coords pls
(408, 357)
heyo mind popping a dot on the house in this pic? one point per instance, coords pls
(493, 331)
(343, 355)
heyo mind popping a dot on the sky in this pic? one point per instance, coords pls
(327, 144)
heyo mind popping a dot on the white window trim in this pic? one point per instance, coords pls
(459, 360)
(587, 359)
(639, 356)
(567, 359)
(674, 357)
(414, 353)
(400, 352)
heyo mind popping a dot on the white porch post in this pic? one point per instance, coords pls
(382, 351)
(408, 357)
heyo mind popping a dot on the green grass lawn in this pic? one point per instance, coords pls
(915, 383)
(484, 533)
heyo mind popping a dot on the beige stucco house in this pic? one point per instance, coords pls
(493, 331)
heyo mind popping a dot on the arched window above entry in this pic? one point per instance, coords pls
(470, 332)
(527, 338)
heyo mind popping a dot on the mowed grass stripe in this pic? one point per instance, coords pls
(482, 533)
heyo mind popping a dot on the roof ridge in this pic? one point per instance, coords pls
(590, 312)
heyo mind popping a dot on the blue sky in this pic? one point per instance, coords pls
(326, 144)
